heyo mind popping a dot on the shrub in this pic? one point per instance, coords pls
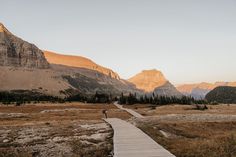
(201, 107)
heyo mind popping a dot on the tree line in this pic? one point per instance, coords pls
(92, 98)
(157, 100)
(21, 97)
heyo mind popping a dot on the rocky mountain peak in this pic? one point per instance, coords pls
(2, 27)
(19, 53)
(153, 74)
(148, 80)
(151, 71)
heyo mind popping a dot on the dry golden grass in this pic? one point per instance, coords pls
(202, 139)
(188, 132)
(148, 110)
(40, 113)
(34, 108)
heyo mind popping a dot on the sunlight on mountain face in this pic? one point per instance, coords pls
(78, 61)
(148, 80)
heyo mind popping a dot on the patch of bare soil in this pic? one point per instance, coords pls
(56, 139)
(69, 130)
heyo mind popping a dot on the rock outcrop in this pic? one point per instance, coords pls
(19, 53)
(79, 62)
(154, 81)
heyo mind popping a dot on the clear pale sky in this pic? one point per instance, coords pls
(188, 40)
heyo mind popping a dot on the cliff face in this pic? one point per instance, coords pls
(79, 62)
(19, 53)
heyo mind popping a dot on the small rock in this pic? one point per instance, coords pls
(5, 141)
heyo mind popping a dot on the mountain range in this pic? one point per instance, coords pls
(200, 90)
(25, 67)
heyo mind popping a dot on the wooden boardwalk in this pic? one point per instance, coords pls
(135, 114)
(130, 141)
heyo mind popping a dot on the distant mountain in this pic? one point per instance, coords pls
(222, 94)
(148, 80)
(199, 90)
(154, 81)
(24, 67)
